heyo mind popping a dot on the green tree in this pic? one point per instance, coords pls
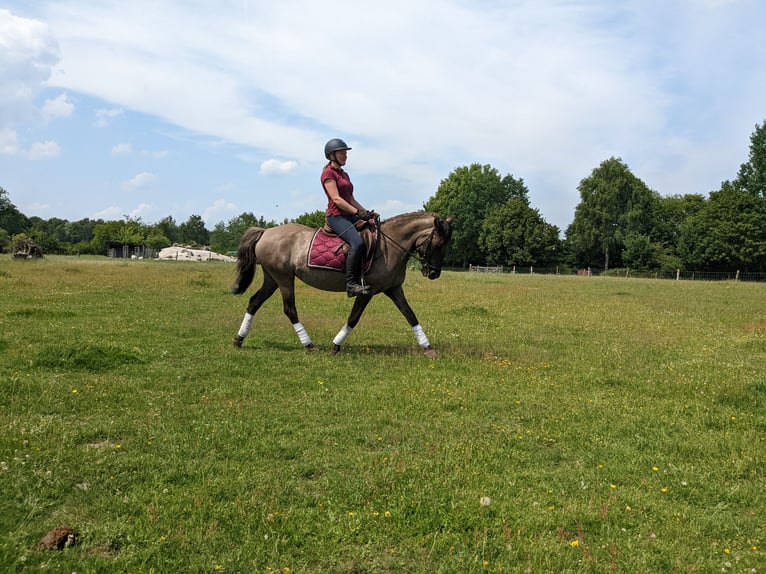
(5, 241)
(156, 241)
(225, 236)
(727, 234)
(517, 234)
(11, 219)
(80, 231)
(313, 219)
(168, 227)
(105, 232)
(614, 204)
(471, 194)
(47, 242)
(193, 232)
(752, 174)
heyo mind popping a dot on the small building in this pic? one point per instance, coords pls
(121, 250)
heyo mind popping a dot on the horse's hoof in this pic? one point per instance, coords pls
(235, 290)
(237, 341)
(430, 353)
(335, 349)
(311, 348)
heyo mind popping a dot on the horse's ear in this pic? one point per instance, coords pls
(450, 219)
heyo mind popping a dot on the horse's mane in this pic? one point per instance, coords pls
(411, 215)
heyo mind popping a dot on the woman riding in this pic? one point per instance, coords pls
(343, 211)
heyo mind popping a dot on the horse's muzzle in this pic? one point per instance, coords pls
(430, 272)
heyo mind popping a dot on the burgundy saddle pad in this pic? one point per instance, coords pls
(329, 252)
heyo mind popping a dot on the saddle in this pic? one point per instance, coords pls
(328, 250)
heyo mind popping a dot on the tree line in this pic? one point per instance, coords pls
(619, 223)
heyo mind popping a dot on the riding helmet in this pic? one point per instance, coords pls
(334, 145)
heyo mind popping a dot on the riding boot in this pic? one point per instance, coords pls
(353, 273)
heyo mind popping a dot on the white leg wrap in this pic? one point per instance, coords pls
(247, 324)
(421, 336)
(302, 334)
(342, 335)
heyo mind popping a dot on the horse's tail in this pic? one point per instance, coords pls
(246, 260)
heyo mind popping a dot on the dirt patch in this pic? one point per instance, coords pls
(759, 327)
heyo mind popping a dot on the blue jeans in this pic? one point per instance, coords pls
(343, 225)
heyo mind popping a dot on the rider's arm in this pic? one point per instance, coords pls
(331, 187)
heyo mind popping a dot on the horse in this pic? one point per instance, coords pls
(282, 252)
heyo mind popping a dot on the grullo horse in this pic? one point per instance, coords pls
(282, 252)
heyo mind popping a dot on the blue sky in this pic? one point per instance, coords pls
(148, 109)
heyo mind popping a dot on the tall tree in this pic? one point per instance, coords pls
(193, 231)
(471, 194)
(516, 234)
(729, 230)
(313, 219)
(614, 204)
(727, 234)
(11, 219)
(168, 227)
(752, 174)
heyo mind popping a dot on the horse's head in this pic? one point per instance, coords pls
(433, 248)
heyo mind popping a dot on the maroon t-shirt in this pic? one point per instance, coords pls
(345, 188)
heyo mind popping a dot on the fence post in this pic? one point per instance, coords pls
(678, 274)
(736, 278)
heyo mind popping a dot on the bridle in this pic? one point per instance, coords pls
(423, 259)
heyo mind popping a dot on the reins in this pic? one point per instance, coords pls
(423, 260)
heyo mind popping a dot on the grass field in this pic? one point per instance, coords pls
(569, 425)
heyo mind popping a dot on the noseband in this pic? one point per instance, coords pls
(425, 259)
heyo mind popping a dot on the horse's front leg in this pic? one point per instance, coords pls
(288, 305)
(360, 304)
(396, 294)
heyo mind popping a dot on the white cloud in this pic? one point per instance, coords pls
(276, 167)
(122, 149)
(142, 211)
(36, 207)
(104, 117)
(159, 154)
(542, 89)
(220, 210)
(59, 107)
(44, 150)
(9, 142)
(141, 180)
(28, 53)
(110, 213)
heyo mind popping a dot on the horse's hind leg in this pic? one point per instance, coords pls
(260, 297)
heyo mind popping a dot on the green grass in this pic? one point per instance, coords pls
(617, 425)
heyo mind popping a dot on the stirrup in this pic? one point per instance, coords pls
(355, 289)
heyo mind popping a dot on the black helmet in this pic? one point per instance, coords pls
(334, 145)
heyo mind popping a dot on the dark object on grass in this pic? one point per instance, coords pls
(26, 249)
(59, 538)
